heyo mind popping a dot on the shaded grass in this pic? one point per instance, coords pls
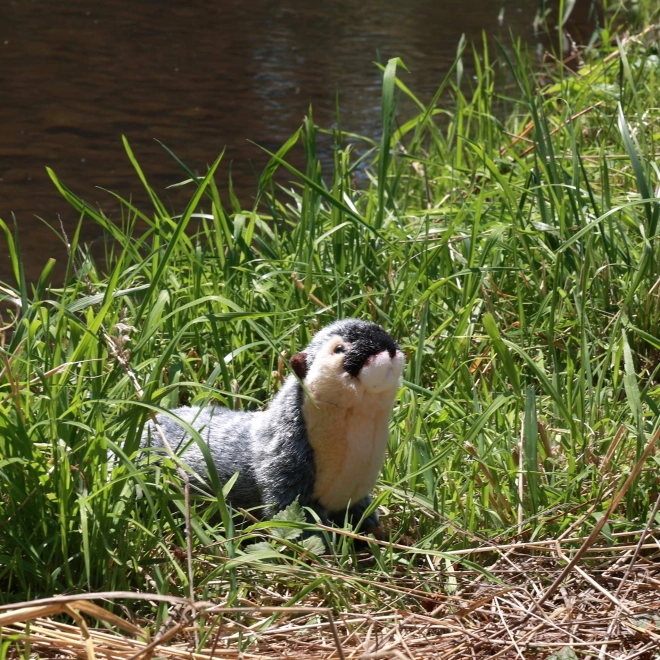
(521, 277)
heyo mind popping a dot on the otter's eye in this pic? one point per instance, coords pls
(340, 349)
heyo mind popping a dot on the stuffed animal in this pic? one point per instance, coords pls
(323, 444)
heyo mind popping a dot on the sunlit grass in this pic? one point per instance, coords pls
(520, 276)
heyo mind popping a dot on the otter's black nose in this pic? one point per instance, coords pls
(369, 340)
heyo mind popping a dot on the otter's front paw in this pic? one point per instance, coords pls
(377, 530)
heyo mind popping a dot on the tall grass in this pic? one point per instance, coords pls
(521, 277)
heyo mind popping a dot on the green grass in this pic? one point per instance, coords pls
(522, 281)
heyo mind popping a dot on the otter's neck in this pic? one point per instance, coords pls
(349, 442)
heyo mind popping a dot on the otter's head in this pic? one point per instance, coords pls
(350, 358)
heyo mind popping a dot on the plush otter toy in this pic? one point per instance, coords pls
(324, 444)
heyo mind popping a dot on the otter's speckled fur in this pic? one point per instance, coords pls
(326, 451)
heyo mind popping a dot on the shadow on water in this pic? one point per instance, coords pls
(198, 76)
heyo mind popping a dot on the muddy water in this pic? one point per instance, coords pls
(199, 76)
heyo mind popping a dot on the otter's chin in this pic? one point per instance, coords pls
(382, 373)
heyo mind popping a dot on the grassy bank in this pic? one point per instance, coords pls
(516, 260)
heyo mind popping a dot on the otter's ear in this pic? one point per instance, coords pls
(299, 365)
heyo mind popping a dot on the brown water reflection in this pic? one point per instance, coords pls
(199, 76)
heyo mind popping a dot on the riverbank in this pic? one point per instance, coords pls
(518, 264)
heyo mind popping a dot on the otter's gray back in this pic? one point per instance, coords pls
(228, 435)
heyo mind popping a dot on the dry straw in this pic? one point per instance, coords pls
(608, 608)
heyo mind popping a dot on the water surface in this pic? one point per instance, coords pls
(199, 76)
